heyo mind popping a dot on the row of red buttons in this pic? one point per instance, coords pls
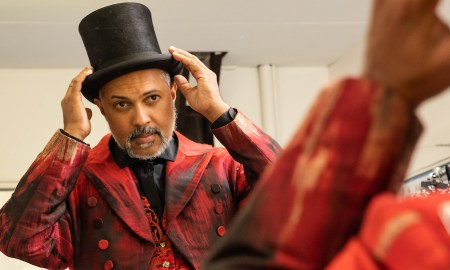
(215, 188)
(98, 223)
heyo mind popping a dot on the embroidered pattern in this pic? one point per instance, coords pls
(166, 256)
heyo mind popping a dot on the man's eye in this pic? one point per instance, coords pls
(153, 97)
(121, 104)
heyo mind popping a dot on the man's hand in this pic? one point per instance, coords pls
(76, 117)
(205, 97)
(408, 49)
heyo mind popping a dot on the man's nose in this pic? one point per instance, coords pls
(141, 116)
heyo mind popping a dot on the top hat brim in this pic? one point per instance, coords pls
(94, 82)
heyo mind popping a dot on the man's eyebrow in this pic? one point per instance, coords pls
(143, 95)
(118, 97)
(150, 92)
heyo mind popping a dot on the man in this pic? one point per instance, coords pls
(145, 197)
(353, 150)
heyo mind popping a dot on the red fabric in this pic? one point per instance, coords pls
(72, 198)
(399, 235)
(355, 143)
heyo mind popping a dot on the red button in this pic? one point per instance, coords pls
(108, 265)
(221, 230)
(103, 244)
(92, 201)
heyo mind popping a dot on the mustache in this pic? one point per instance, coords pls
(145, 131)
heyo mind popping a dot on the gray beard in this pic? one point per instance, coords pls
(165, 141)
(162, 147)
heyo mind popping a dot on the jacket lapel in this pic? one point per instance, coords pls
(118, 188)
(184, 174)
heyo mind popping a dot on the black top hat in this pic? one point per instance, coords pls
(120, 39)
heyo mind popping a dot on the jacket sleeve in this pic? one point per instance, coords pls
(400, 233)
(355, 143)
(248, 145)
(34, 222)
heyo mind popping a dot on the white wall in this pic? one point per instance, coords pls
(297, 88)
(349, 64)
(433, 115)
(240, 89)
(31, 113)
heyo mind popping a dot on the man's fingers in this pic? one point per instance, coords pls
(173, 49)
(76, 83)
(182, 84)
(190, 61)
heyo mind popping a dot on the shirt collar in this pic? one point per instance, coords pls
(123, 159)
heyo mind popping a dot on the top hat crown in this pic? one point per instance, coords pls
(119, 39)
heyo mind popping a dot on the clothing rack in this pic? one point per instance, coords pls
(437, 178)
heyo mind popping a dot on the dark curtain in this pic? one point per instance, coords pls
(190, 123)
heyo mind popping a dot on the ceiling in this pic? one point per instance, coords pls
(44, 33)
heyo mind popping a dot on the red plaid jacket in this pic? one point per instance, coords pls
(309, 205)
(76, 208)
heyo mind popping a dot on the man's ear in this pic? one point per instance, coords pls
(99, 104)
(173, 91)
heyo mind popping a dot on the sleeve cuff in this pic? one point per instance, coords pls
(72, 137)
(226, 118)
